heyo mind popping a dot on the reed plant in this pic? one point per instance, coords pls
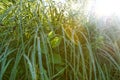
(39, 42)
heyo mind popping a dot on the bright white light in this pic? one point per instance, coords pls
(99, 7)
(75, 6)
(107, 7)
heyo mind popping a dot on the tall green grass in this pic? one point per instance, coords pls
(39, 42)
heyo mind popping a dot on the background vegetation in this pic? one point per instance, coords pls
(41, 41)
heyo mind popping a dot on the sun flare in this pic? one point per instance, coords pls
(107, 7)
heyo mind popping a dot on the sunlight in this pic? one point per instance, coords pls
(107, 7)
(99, 7)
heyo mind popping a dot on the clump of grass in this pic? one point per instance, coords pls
(39, 42)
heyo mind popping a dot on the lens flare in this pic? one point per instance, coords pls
(107, 7)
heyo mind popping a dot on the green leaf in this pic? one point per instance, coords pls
(51, 34)
(56, 59)
(55, 42)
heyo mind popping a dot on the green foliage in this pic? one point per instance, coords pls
(56, 59)
(39, 42)
(55, 42)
